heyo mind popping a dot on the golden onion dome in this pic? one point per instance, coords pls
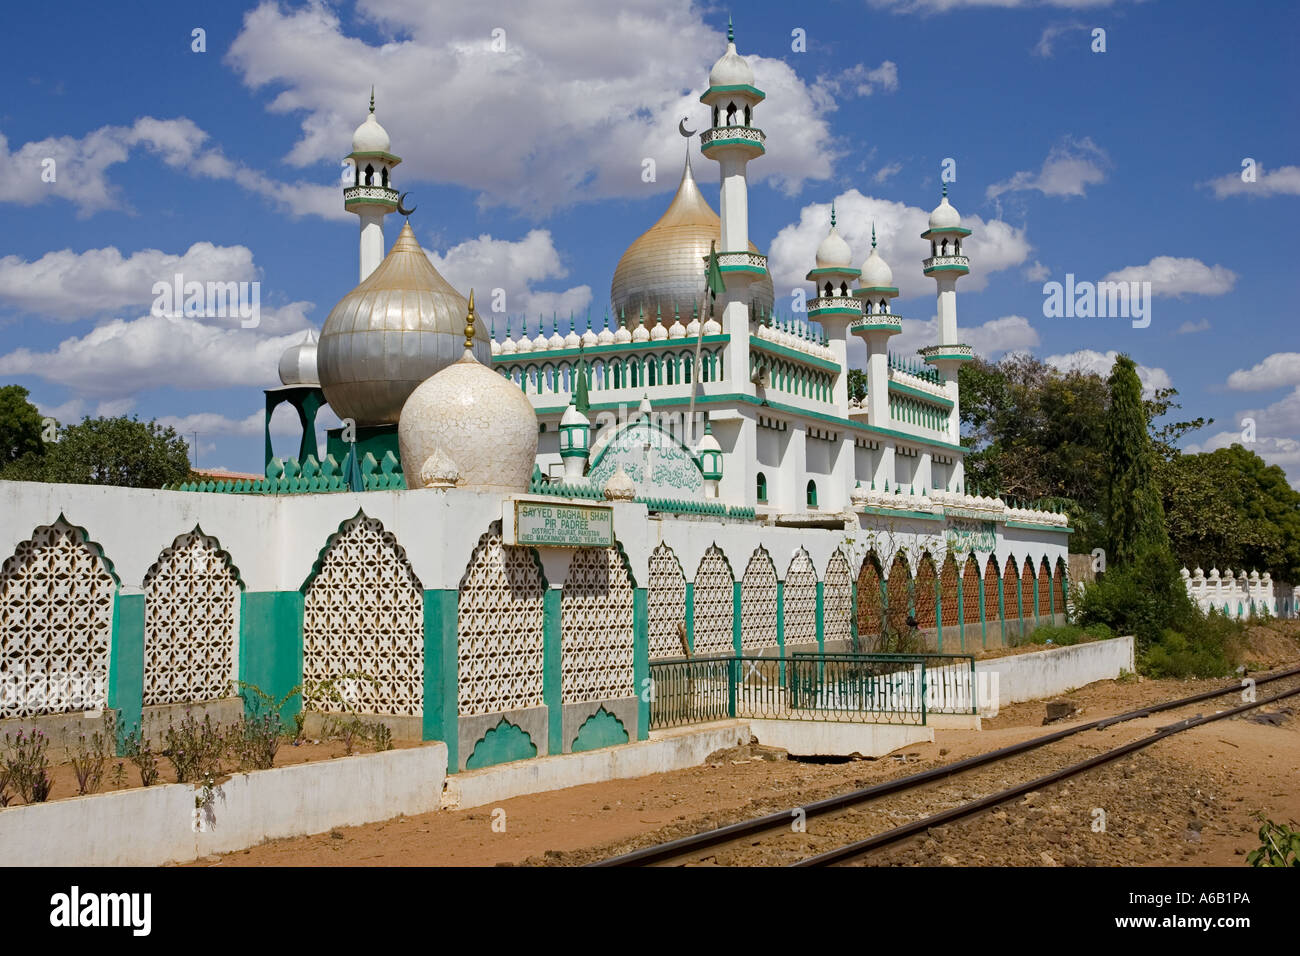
(402, 324)
(663, 269)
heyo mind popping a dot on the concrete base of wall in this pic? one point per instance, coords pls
(826, 738)
(665, 750)
(1047, 673)
(316, 724)
(63, 730)
(149, 826)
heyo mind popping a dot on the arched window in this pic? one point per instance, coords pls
(383, 177)
(812, 494)
(747, 115)
(944, 247)
(762, 488)
(370, 174)
(829, 289)
(844, 288)
(731, 114)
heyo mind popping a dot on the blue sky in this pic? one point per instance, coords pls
(525, 161)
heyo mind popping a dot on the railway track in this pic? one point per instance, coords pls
(694, 848)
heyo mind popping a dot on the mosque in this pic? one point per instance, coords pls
(507, 531)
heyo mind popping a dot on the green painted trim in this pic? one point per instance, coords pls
(753, 144)
(780, 616)
(526, 358)
(948, 357)
(952, 268)
(961, 609)
(641, 659)
(125, 690)
(1002, 605)
(504, 743)
(947, 231)
(815, 311)
(737, 630)
(553, 669)
(1037, 527)
(601, 729)
(891, 513)
(762, 345)
(441, 701)
(270, 644)
(848, 273)
(752, 270)
(876, 326)
(918, 393)
(736, 88)
(375, 154)
(370, 201)
(865, 292)
(821, 616)
(690, 614)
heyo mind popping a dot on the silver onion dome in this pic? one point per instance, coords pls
(298, 363)
(401, 325)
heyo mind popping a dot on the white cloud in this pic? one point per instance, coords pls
(1071, 166)
(486, 263)
(1175, 277)
(993, 245)
(123, 357)
(943, 6)
(67, 285)
(1037, 272)
(565, 112)
(1275, 371)
(1188, 328)
(1088, 360)
(81, 166)
(885, 172)
(1283, 181)
(1044, 46)
(1010, 333)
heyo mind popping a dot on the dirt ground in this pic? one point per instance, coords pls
(1189, 800)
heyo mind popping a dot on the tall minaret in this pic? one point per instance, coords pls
(946, 265)
(876, 290)
(833, 305)
(371, 195)
(733, 141)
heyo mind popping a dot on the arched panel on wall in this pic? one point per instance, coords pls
(991, 610)
(714, 604)
(1027, 590)
(1011, 590)
(970, 592)
(837, 599)
(363, 613)
(499, 629)
(596, 628)
(56, 621)
(800, 624)
(758, 603)
(1059, 596)
(924, 598)
(666, 604)
(191, 622)
(898, 593)
(949, 586)
(1044, 589)
(871, 601)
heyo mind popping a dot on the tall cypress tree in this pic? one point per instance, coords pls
(1135, 521)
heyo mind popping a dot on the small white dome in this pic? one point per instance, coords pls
(589, 338)
(439, 471)
(619, 487)
(876, 272)
(370, 137)
(731, 69)
(298, 363)
(622, 336)
(944, 215)
(605, 336)
(708, 442)
(834, 252)
(572, 416)
(573, 339)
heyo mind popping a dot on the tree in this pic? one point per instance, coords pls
(20, 426)
(1135, 520)
(110, 451)
(857, 384)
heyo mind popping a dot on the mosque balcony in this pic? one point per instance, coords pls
(960, 265)
(877, 322)
(369, 196)
(748, 139)
(830, 306)
(950, 353)
(752, 263)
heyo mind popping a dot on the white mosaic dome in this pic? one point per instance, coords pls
(876, 272)
(944, 215)
(478, 419)
(370, 137)
(834, 252)
(731, 69)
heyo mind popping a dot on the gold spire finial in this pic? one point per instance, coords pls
(469, 324)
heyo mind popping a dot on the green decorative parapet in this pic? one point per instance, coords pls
(539, 485)
(287, 476)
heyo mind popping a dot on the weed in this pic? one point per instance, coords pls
(1279, 846)
(195, 748)
(27, 765)
(141, 753)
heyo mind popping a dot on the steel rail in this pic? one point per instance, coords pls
(657, 853)
(875, 842)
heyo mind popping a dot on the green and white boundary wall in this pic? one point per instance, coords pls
(146, 601)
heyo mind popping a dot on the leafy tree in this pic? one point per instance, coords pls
(857, 384)
(110, 451)
(20, 426)
(1135, 520)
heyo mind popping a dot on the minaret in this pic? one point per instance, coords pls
(371, 195)
(833, 305)
(946, 265)
(876, 290)
(733, 141)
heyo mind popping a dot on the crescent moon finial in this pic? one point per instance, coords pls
(681, 128)
(401, 208)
